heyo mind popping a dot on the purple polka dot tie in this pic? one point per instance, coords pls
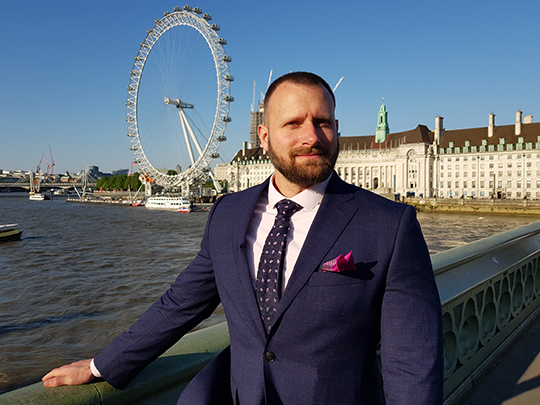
(269, 275)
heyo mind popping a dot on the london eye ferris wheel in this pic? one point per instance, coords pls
(178, 99)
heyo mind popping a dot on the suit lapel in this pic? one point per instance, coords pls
(333, 216)
(246, 300)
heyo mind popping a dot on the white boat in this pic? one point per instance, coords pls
(181, 204)
(38, 197)
(9, 232)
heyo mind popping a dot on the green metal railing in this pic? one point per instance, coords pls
(159, 383)
(490, 290)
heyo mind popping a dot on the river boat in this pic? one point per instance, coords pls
(38, 197)
(181, 204)
(10, 233)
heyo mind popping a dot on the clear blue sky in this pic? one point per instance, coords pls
(65, 66)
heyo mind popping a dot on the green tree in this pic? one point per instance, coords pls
(118, 181)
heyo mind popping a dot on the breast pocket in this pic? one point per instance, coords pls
(327, 279)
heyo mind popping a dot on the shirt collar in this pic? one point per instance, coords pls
(308, 198)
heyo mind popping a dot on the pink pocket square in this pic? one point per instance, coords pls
(339, 264)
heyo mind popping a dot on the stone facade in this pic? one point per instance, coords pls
(489, 162)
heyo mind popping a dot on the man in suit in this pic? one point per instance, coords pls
(355, 272)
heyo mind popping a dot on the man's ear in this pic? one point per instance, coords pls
(262, 131)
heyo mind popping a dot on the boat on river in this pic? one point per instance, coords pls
(38, 197)
(180, 204)
(9, 233)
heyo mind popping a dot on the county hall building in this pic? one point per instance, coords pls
(488, 162)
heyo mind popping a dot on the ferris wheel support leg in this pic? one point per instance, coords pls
(188, 143)
(192, 134)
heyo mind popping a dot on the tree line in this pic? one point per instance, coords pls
(119, 182)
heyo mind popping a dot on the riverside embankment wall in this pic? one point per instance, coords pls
(521, 207)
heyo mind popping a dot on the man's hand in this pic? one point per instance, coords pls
(70, 374)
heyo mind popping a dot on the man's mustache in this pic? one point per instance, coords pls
(306, 150)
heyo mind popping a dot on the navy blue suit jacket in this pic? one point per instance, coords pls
(328, 325)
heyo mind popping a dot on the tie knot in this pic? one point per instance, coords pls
(286, 208)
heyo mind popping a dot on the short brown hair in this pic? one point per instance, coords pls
(302, 78)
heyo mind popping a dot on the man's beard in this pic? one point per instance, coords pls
(308, 173)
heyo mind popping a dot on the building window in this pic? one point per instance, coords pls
(509, 146)
(457, 184)
(491, 148)
(520, 139)
(509, 194)
(501, 141)
(451, 144)
(484, 142)
(458, 150)
(464, 184)
(474, 184)
(482, 184)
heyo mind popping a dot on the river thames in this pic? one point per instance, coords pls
(82, 273)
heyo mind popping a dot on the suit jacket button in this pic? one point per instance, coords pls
(269, 357)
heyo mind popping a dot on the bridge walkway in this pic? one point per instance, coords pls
(515, 378)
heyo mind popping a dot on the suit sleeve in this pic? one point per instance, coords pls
(190, 299)
(411, 322)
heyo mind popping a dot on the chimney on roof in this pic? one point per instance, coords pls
(518, 122)
(244, 145)
(528, 119)
(439, 130)
(491, 125)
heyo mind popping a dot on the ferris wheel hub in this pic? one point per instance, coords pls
(178, 103)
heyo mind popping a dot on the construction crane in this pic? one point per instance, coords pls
(38, 168)
(52, 161)
(337, 85)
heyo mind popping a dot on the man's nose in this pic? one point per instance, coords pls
(310, 135)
